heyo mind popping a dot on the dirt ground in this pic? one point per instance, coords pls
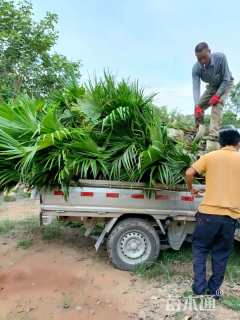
(54, 280)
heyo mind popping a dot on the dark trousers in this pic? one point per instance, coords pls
(213, 234)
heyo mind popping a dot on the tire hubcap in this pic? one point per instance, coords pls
(133, 245)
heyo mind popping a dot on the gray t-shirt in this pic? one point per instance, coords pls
(216, 74)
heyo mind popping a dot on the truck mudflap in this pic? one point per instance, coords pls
(177, 232)
(106, 229)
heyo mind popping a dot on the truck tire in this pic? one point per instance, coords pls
(132, 242)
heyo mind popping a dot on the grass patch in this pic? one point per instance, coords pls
(170, 262)
(75, 225)
(174, 263)
(27, 229)
(24, 230)
(232, 302)
(29, 226)
(179, 315)
(52, 231)
(6, 226)
(155, 270)
(25, 243)
(26, 226)
(183, 255)
(187, 293)
(233, 270)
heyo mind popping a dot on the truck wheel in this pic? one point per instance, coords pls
(132, 242)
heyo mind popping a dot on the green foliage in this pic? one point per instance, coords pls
(234, 103)
(26, 62)
(167, 266)
(179, 263)
(52, 231)
(233, 272)
(232, 110)
(163, 161)
(230, 118)
(174, 119)
(102, 130)
(6, 226)
(232, 302)
(24, 230)
(28, 229)
(24, 243)
(19, 124)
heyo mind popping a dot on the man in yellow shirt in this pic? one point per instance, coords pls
(218, 213)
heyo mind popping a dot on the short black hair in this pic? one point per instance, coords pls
(229, 137)
(201, 46)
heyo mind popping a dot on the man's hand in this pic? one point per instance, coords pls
(198, 112)
(215, 100)
(194, 192)
(190, 174)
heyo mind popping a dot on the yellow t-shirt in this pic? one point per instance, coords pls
(222, 174)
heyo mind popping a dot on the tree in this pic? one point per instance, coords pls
(234, 104)
(174, 119)
(232, 110)
(26, 62)
(230, 118)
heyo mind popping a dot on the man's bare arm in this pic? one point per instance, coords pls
(196, 85)
(190, 174)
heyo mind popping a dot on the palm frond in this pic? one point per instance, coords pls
(105, 129)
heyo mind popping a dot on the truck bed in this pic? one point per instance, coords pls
(113, 198)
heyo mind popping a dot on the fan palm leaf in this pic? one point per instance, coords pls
(106, 129)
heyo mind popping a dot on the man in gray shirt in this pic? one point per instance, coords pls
(211, 68)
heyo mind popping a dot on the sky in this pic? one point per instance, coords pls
(149, 40)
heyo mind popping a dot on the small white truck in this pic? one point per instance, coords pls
(137, 221)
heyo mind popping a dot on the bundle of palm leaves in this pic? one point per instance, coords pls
(101, 130)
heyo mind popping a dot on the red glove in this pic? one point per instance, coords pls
(198, 112)
(214, 100)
